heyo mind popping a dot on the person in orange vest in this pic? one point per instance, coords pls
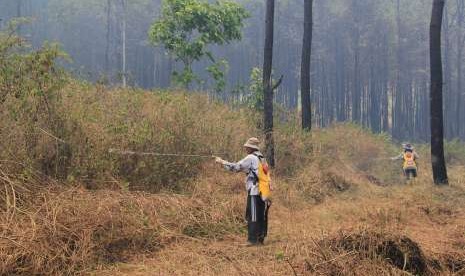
(257, 205)
(409, 156)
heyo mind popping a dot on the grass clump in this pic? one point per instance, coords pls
(73, 230)
(95, 122)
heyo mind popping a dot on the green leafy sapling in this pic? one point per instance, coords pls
(187, 29)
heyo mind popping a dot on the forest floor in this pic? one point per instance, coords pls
(340, 205)
(426, 223)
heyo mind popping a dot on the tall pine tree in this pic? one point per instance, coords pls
(436, 116)
(267, 82)
(305, 66)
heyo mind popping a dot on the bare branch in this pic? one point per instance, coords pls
(278, 83)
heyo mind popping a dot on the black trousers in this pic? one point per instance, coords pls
(409, 173)
(256, 215)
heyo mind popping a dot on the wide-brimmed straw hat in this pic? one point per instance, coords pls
(407, 146)
(252, 143)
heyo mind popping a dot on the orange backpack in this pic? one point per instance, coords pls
(409, 161)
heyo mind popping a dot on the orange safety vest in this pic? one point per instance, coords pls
(409, 161)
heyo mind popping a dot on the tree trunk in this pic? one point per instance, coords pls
(356, 87)
(267, 85)
(108, 35)
(123, 34)
(155, 71)
(385, 84)
(19, 13)
(460, 45)
(305, 66)
(171, 66)
(447, 91)
(436, 117)
(397, 95)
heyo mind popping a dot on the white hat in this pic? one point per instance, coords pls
(252, 143)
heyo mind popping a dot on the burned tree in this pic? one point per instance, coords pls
(436, 113)
(267, 82)
(305, 66)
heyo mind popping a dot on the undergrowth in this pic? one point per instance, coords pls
(78, 193)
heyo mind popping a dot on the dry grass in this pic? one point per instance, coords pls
(70, 206)
(364, 229)
(388, 231)
(89, 121)
(67, 230)
(333, 220)
(340, 207)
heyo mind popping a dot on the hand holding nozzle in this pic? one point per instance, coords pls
(219, 160)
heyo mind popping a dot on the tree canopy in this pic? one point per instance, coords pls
(187, 28)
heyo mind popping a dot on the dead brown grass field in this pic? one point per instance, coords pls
(332, 220)
(340, 206)
(360, 231)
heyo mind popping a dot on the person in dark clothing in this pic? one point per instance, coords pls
(256, 215)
